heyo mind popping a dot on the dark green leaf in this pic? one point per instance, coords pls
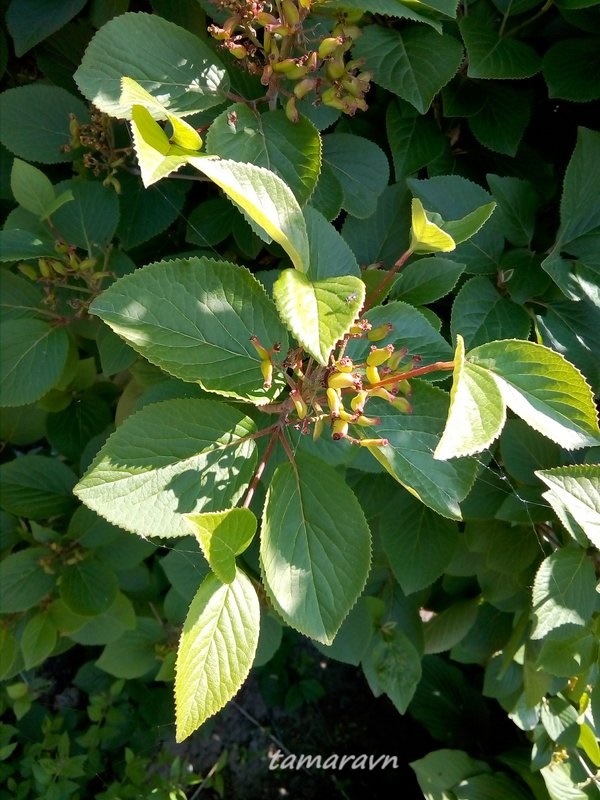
(36, 487)
(426, 280)
(88, 587)
(31, 21)
(571, 67)
(24, 580)
(415, 140)
(517, 201)
(501, 123)
(481, 314)
(361, 168)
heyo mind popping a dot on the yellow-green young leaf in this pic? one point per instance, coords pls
(31, 188)
(589, 743)
(216, 649)
(543, 388)
(426, 236)
(477, 410)
(318, 313)
(265, 199)
(183, 134)
(223, 535)
(466, 227)
(157, 157)
(575, 493)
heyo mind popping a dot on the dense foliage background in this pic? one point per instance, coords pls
(477, 630)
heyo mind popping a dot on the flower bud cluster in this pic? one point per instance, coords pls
(268, 40)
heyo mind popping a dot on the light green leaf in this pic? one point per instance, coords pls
(362, 169)
(415, 140)
(171, 63)
(157, 157)
(36, 487)
(568, 656)
(165, 461)
(27, 110)
(501, 122)
(564, 593)
(394, 666)
(413, 438)
(481, 314)
(463, 229)
(216, 649)
(418, 542)
(265, 199)
(33, 357)
(577, 490)
(544, 389)
(290, 150)
(490, 55)
(29, 22)
(425, 235)
(517, 201)
(410, 330)
(315, 547)
(401, 61)
(223, 535)
(570, 69)
(329, 255)
(477, 411)
(183, 134)
(319, 313)
(194, 319)
(38, 639)
(439, 771)
(31, 188)
(495, 786)
(426, 280)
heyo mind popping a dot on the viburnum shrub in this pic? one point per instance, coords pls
(393, 480)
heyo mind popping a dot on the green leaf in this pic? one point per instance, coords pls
(415, 140)
(133, 655)
(477, 411)
(542, 388)
(580, 202)
(394, 666)
(91, 219)
(517, 201)
(524, 450)
(418, 542)
(165, 461)
(88, 587)
(570, 67)
(361, 168)
(29, 22)
(71, 429)
(24, 580)
(463, 229)
(36, 487)
(431, 12)
(411, 330)
(19, 297)
(145, 213)
(447, 629)
(315, 547)
(329, 255)
(265, 200)
(27, 110)
(401, 61)
(501, 123)
(328, 195)
(33, 357)
(290, 150)
(223, 535)
(216, 649)
(442, 770)
(563, 593)
(577, 490)
(496, 786)
(408, 457)
(185, 568)
(171, 63)
(115, 354)
(426, 280)
(16, 244)
(425, 235)
(31, 188)
(38, 639)
(383, 236)
(108, 626)
(352, 640)
(194, 319)
(569, 656)
(319, 313)
(481, 314)
(489, 54)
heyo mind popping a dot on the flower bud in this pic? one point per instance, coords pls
(28, 271)
(379, 355)
(44, 268)
(303, 87)
(334, 401)
(382, 392)
(329, 46)
(263, 353)
(299, 404)
(345, 364)
(318, 429)
(339, 429)
(373, 442)
(362, 420)
(291, 111)
(380, 332)
(335, 68)
(343, 380)
(372, 374)
(402, 404)
(359, 400)
(266, 367)
(290, 12)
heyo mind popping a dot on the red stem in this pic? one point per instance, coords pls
(387, 280)
(261, 467)
(414, 373)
